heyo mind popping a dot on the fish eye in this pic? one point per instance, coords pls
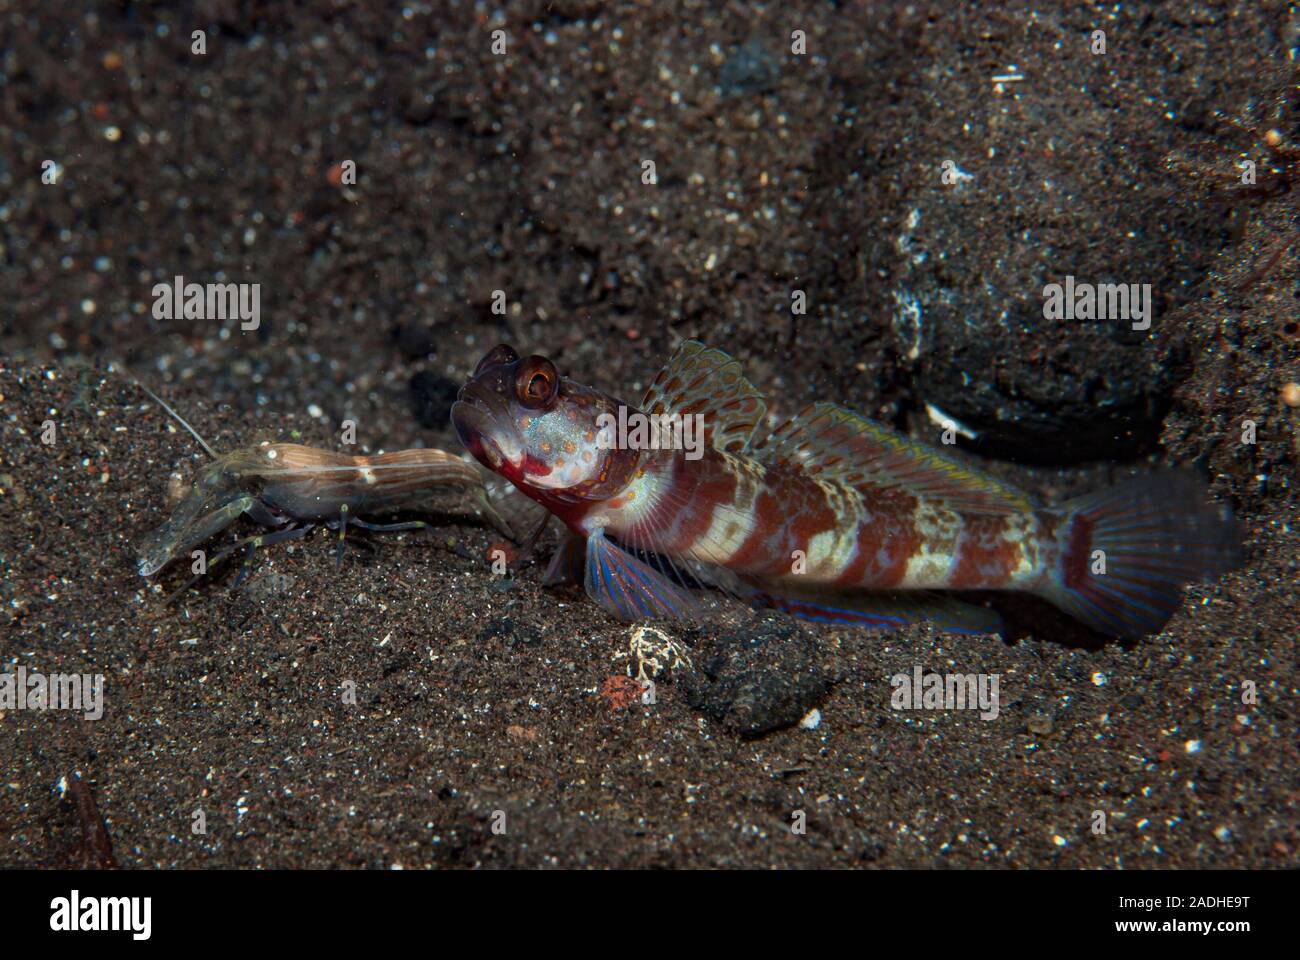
(537, 383)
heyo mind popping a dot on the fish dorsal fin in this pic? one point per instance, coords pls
(828, 441)
(702, 380)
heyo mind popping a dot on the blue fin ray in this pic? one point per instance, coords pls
(629, 589)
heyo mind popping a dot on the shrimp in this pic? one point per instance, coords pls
(291, 489)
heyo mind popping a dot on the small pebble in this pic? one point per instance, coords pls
(1041, 724)
(500, 552)
(1291, 394)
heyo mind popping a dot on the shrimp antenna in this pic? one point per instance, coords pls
(178, 419)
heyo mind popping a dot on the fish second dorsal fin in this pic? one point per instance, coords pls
(831, 442)
(699, 379)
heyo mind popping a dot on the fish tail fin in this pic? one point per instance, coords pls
(1128, 551)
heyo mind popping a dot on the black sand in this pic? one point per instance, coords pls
(523, 173)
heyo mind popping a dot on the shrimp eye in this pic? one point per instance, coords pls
(537, 383)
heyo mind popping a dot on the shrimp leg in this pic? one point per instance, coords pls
(346, 520)
(252, 543)
(390, 527)
(343, 530)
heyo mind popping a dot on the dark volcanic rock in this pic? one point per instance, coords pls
(514, 634)
(758, 678)
(985, 211)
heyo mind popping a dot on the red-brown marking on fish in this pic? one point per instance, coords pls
(985, 558)
(1075, 560)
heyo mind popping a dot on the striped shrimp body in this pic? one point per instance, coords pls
(291, 489)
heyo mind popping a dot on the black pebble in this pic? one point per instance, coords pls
(750, 70)
(760, 678)
(504, 628)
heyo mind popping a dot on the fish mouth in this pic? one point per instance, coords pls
(484, 427)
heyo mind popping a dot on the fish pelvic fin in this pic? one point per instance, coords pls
(629, 589)
(1128, 551)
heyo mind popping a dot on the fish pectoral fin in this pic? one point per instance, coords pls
(708, 382)
(629, 589)
(887, 609)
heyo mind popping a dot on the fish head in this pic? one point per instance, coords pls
(543, 432)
